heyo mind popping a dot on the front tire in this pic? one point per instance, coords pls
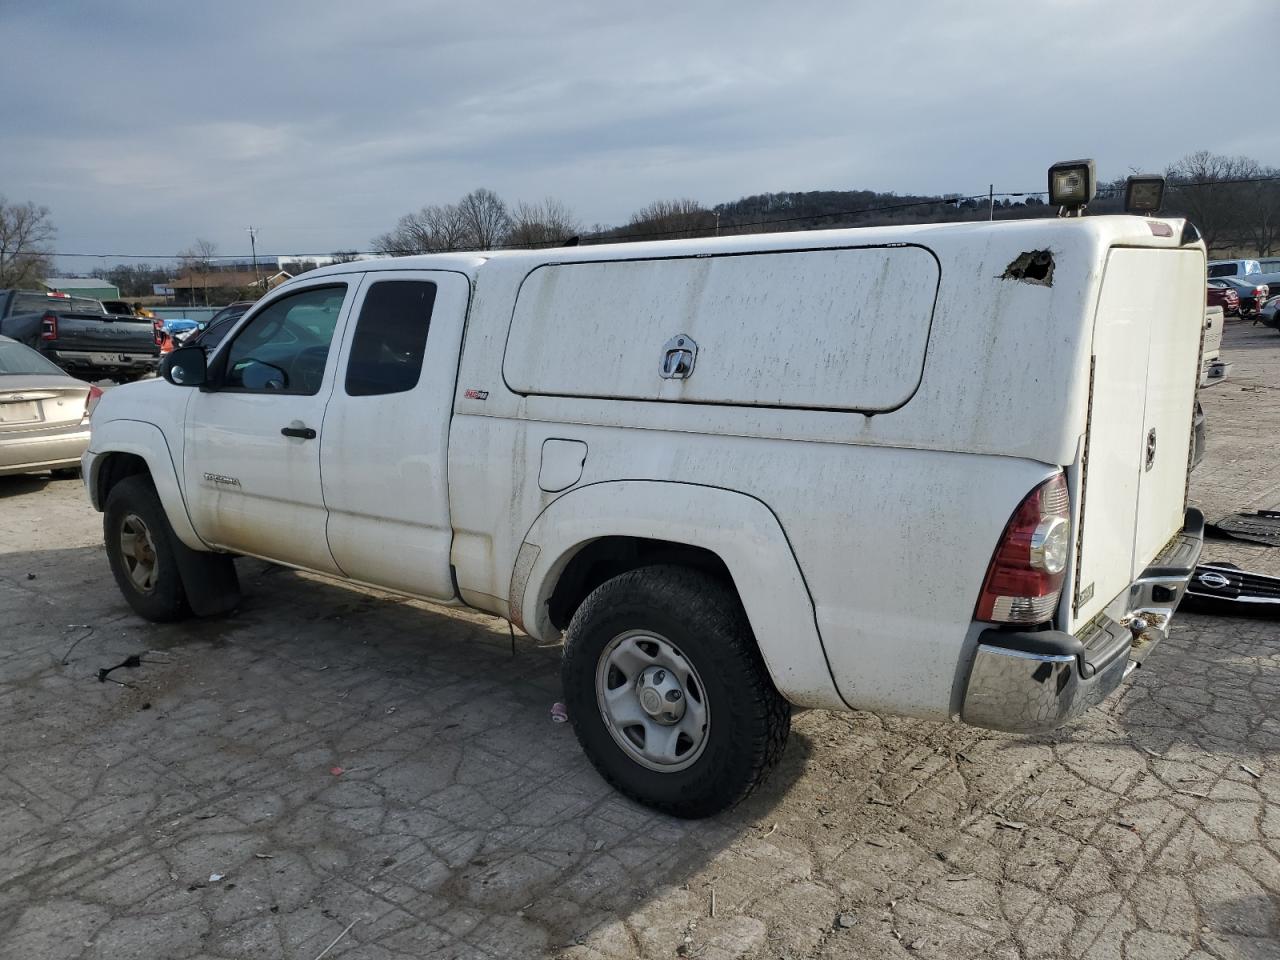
(140, 549)
(668, 694)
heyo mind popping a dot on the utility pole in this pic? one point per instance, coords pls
(717, 223)
(991, 201)
(253, 247)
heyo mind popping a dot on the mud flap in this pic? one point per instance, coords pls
(208, 579)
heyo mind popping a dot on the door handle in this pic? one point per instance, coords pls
(302, 433)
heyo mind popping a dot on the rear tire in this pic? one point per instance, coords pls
(681, 639)
(140, 548)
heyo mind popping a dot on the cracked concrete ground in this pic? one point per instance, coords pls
(336, 756)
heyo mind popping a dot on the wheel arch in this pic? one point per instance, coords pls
(603, 529)
(123, 448)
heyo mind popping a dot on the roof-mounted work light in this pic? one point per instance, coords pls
(1143, 194)
(1072, 184)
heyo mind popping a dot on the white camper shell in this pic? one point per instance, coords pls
(937, 470)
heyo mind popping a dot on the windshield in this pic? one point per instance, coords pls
(17, 359)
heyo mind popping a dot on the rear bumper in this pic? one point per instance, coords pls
(49, 451)
(132, 360)
(1032, 681)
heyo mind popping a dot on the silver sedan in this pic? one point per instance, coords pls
(44, 413)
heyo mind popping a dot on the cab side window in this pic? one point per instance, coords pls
(285, 347)
(390, 338)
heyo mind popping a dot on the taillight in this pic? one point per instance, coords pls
(167, 344)
(91, 401)
(49, 327)
(1024, 580)
(157, 332)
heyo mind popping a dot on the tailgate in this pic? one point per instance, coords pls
(1146, 348)
(105, 333)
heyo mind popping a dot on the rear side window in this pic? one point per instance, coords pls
(390, 338)
(834, 329)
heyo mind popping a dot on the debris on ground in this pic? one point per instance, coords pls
(846, 920)
(559, 713)
(215, 877)
(337, 938)
(1250, 771)
(129, 662)
(1262, 526)
(337, 771)
(76, 626)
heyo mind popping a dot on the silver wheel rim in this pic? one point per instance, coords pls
(138, 551)
(652, 701)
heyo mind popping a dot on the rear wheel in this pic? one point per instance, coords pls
(668, 694)
(140, 549)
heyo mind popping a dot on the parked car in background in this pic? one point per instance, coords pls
(1222, 294)
(177, 327)
(1270, 312)
(1252, 295)
(1233, 268)
(79, 335)
(211, 333)
(44, 413)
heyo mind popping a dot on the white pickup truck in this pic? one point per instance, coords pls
(938, 471)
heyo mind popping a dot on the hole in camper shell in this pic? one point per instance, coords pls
(1034, 266)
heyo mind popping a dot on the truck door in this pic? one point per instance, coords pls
(384, 446)
(252, 452)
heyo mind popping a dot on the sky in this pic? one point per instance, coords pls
(143, 125)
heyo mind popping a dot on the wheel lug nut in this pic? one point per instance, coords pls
(674, 696)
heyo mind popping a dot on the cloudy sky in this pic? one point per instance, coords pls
(143, 125)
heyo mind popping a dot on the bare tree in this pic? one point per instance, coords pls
(198, 259)
(485, 221)
(1231, 214)
(545, 224)
(479, 221)
(669, 219)
(433, 229)
(25, 235)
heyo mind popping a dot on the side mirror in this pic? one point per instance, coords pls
(185, 367)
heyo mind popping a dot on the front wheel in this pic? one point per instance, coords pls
(668, 694)
(140, 548)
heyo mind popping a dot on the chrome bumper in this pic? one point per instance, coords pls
(1029, 682)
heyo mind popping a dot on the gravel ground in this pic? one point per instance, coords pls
(331, 756)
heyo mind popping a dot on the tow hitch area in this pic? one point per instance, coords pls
(1225, 588)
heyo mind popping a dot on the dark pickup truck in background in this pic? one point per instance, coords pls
(79, 335)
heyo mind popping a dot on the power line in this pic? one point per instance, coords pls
(942, 200)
